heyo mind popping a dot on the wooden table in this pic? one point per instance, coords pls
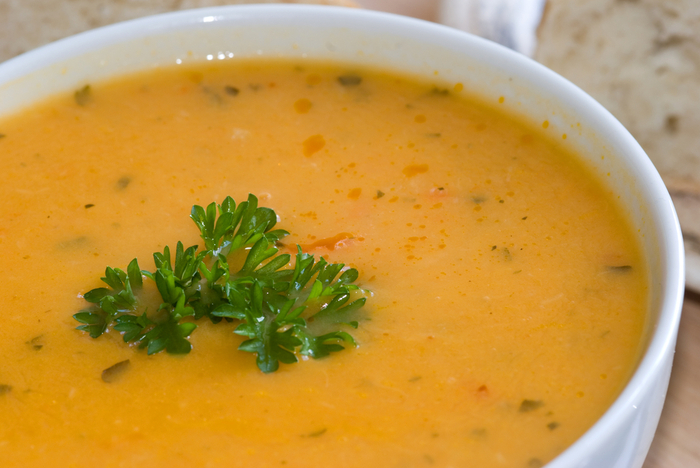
(677, 441)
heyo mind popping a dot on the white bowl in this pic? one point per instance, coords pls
(621, 438)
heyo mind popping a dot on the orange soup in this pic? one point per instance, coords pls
(507, 290)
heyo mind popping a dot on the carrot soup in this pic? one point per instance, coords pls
(506, 291)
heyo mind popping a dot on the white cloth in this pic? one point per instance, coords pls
(512, 23)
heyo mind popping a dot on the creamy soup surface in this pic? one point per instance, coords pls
(509, 292)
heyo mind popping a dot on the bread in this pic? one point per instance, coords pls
(27, 24)
(641, 60)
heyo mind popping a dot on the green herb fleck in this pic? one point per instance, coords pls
(115, 372)
(439, 91)
(83, 96)
(123, 182)
(318, 433)
(5, 389)
(349, 80)
(231, 91)
(530, 405)
(35, 343)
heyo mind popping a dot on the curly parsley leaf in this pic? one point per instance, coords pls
(110, 302)
(323, 345)
(278, 308)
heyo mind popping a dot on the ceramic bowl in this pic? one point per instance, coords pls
(622, 436)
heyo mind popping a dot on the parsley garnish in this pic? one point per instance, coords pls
(238, 276)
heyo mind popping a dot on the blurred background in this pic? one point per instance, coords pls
(639, 58)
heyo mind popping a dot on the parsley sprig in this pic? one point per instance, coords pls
(238, 276)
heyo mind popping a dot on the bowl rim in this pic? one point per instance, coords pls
(659, 348)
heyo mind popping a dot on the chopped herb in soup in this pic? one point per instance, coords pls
(506, 292)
